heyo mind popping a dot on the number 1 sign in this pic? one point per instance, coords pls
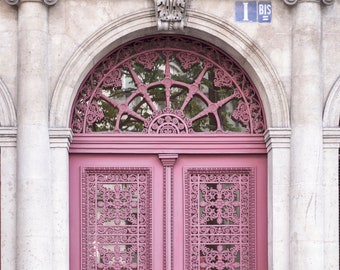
(251, 11)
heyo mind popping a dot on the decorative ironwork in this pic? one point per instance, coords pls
(190, 85)
(220, 218)
(116, 218)
(168, 121)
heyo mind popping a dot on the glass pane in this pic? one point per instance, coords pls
(205, 124)
(187, 75)
(140, 106)
(214, 94)
(155, 74)
(157, 95)
(177, 97)
(130, 124)
(110, 117)
(122, 92)
(228, 123)
(194, 107)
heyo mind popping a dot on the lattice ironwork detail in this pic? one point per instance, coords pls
(220, 218)
(168, 121)
(116, 218)
(208, 90)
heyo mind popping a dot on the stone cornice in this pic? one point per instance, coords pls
(60, 137)
(8, 136)
(18, 2)
(277, 138)
(331, 138)
(293, 2)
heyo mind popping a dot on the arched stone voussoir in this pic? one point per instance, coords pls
(331, 116)
(7, 109)
(199, 25)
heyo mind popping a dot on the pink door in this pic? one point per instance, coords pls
(168, 161)
(168, 212)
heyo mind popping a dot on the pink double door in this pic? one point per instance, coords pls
(168, 211)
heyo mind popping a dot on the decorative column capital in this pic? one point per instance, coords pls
(171, 14)
(18, 2)
(293, 2)
(168, 160)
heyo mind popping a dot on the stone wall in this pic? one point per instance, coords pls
(47, 47)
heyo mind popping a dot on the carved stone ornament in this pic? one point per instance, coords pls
(170, 14)
(17, 2)
(293, 2)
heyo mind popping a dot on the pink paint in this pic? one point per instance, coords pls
(167, 85)
(230, 176)
(168, 161)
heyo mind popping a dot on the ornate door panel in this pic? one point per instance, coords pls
(220, 212)
(115, 221)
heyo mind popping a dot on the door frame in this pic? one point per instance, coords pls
(158, 144)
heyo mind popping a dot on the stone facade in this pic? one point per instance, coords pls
(48, 47)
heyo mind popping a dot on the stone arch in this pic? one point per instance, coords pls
(7, 109)
(331, 117)
(200, 25)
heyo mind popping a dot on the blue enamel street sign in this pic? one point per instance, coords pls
(264, 11)
(252, 11)
(246, 11)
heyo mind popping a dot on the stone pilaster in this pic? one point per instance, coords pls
(8, 191)
(331, 138)
(34, 243)
(60, 139)
(278, 147)
(306, 189)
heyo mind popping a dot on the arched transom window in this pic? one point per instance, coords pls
(167, 85)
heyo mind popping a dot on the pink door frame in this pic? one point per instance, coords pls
(199, 108)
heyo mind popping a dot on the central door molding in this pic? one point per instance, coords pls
(168, 162)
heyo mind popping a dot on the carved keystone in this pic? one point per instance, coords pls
(170, 14)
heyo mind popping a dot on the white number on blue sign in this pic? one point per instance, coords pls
(251, 11)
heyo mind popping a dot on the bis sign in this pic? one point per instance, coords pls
(252, 11)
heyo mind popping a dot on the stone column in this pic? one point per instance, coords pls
(34, 201)
(306, 189)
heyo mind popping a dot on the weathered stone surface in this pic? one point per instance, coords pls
(293, 61)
